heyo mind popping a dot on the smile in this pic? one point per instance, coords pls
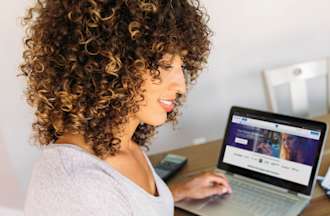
(167, 105)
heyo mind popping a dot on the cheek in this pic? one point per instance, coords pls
(150, 111)
(153, 92)
(151, 96)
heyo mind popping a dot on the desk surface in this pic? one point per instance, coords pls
(198, 162)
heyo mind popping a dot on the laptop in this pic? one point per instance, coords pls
(271, 162)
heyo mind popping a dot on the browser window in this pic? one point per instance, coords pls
(278, 150)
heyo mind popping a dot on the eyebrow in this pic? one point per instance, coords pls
(166, 61)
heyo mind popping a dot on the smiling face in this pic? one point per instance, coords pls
(159, 97)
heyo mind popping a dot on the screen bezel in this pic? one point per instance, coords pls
(281, 119)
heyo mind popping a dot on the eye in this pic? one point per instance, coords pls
(185, 70)
(184, 67)
(166, 66)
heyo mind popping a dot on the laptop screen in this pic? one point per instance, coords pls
(283, 147)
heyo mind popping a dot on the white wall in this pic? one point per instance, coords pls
(250, 35)
(16, 155)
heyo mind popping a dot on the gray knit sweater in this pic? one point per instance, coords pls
(66, 180)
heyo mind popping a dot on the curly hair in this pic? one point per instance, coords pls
(83, 62)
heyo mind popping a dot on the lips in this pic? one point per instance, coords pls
(167, 105)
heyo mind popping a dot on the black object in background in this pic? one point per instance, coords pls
(170, 165)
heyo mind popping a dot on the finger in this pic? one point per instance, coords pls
(218, 180)
(215, 190)
(266, 150)
(270, 150)
(215, 172)
(218, 173)
(226, 180)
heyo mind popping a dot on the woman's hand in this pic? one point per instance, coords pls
(201, 186)
(264, 149)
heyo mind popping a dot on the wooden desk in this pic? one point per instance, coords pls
(205, 156)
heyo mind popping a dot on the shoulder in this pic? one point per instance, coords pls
(63, 163)
(66, 179)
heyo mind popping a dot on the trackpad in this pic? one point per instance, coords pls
(213, 206)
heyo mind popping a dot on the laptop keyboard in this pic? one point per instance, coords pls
(258, 201)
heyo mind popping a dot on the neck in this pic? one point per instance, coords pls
(125, 135)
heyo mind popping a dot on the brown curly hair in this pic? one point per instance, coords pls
(84, 60)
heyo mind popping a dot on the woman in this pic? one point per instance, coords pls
(102, 75)
(294, 150)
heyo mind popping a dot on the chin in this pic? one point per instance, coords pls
(156, 120)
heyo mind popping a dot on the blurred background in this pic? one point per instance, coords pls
(250, 36)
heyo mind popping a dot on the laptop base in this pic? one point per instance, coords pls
(249, 198)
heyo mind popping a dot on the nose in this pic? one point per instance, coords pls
(179, 82)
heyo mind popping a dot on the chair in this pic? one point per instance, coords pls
(298, 80)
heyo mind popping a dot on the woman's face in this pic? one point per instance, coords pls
(289, 141)
(159, 97)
